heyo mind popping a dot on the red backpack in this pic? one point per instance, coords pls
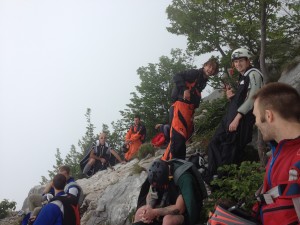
(158, 140)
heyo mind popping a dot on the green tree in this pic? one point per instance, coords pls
(72, 160)
(152, 98)
(89, 136)
(116, 138)
(59, 162)
(222, 25)
(5, 207)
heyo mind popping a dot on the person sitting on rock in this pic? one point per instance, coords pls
(60, 210)
(134, 138)
(72, 189)
(99, 157)
(169, 199)
(162, 140)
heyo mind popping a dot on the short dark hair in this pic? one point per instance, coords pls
(214, 63)
(280, 97)
(65, 168)
(137, 116)
(59, 182)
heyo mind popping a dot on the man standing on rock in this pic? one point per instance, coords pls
(235, 131)
(186, 96)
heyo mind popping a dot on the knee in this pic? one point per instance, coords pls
(172, 220)
(91, 161)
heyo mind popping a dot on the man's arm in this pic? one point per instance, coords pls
(48, 188)
(127, 136)
(177, 209)
(254, 85)
(117, 156)
(94, 156)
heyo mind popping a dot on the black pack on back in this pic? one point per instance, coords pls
(70, 211)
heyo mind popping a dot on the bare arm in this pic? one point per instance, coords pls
(117, 156)
(177, 209)
(94, 156)
(48, 187)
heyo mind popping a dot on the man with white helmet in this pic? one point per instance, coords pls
(235, 130)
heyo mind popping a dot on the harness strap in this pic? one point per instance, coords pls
(293, 175)
(290, 190)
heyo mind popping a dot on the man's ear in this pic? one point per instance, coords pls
(269, 115)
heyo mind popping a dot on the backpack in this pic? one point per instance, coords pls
(158, 140)
(183, 166)
(180, 167)
(69, 210)
(79, 198)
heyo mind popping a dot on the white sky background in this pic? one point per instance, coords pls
(58, 58)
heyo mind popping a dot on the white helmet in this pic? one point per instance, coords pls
(240, 53)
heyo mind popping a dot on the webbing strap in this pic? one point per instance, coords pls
(291, 189)
(181, 169)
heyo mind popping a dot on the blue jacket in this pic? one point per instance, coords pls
(50, 214)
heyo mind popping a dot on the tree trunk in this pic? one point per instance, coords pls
(261, 146)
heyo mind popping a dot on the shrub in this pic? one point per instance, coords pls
(237, 184)
(137, 169)
(212, 114)
(145, 150)
(5, 206)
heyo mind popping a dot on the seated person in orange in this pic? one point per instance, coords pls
(134, 138)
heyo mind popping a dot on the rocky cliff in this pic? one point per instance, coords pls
(111, 196)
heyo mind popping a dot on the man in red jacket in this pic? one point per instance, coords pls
(277, 112)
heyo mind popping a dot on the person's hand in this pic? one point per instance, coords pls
(103, 161)
(148, 215)
(229, 92)
(235, 123)
(187, 95)
(157, 126)
(47, 197)
(123, 162)
(31, 219)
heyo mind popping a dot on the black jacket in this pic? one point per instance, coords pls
(182, 80)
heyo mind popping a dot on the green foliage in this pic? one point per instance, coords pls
(89, 136)
(116, 138)
(59, 162)
(5, 206)
(137, 169)
(73, 157)
(238, 184)
(211, 114)
(222, 25)
(131, 215)
(72, 160)
(145, 150)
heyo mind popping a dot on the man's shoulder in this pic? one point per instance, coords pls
(54, 208)
(253, 72)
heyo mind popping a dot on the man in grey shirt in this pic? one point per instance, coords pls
(235, 131)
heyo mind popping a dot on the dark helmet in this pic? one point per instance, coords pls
(158, 173)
